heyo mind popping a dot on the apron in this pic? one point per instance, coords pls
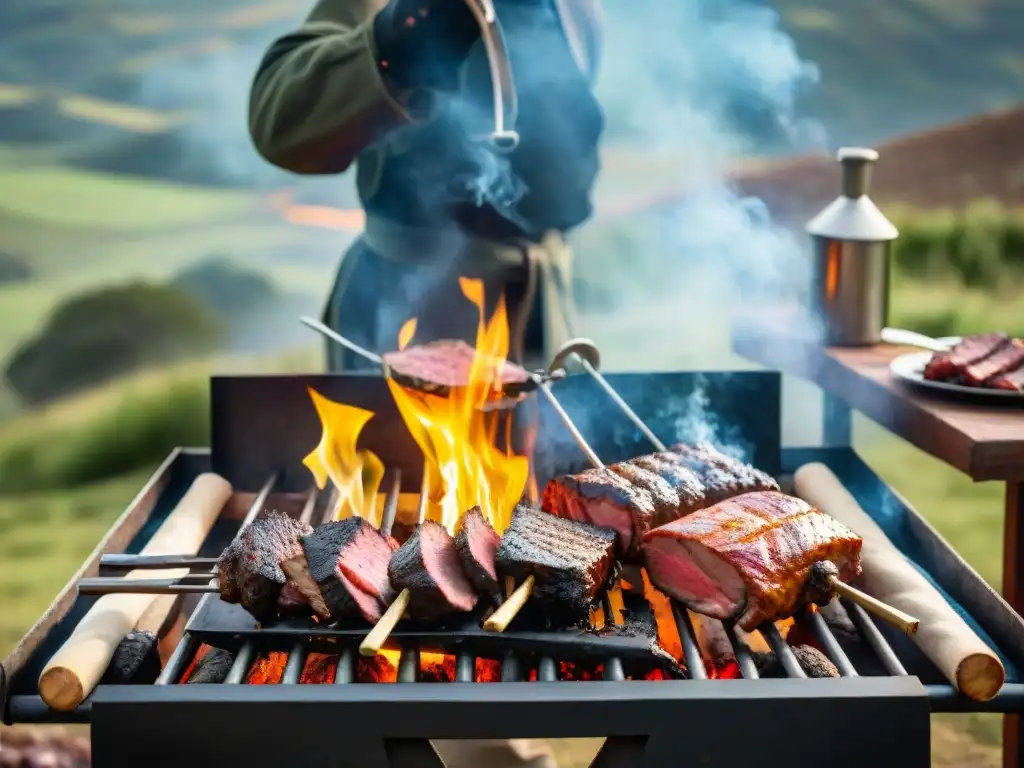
(395, 272)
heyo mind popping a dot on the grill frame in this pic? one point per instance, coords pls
(643, 718)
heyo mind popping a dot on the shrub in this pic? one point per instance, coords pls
(14, 269)
(95, 336)
(226, 288)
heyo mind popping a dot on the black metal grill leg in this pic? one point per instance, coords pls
(621, 752)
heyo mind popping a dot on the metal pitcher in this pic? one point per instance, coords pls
(852, 246)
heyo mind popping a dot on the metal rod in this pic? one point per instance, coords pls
(783, 652)
(175, 667)
(547, 670)
(153, 562)
(744, 659)
(336, 337)
(114, 586)
(691, 651)
(409, 665)
(240, 668)
(510, 672)
(306, 515)
(567, 422)
(345, 672)
(623, 405)
(613, 670)
(387, 519)
(873, 637)
(293, 669)
(465, 667)
(829, 643)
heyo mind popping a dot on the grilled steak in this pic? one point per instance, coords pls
(721, 475)
(428, 565)
(441, 365)
(250, 572)
(1012, 381)
(348, 562)
(640, 494)
(971, 349)
(570, 561)
(477, 543)
(213, 667)
(752, 558)
(1007, 358)
(135, 661)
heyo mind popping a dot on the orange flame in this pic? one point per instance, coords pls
(463, 465)
(406, 332)
(355, 474)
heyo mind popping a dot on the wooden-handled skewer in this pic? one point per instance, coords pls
(902, 621)
(386, 624)
(502, 617)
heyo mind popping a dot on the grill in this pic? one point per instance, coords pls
(318, 700)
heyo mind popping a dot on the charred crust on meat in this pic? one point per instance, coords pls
(477, 543)
(428, 565)
(571, 562)
(249, 572)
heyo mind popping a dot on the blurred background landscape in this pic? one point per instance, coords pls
(144, 245)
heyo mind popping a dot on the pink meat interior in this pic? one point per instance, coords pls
(690, 573)
(605, 514)
(441, 561)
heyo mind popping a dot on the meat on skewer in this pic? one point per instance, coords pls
(640, 494)
(756, 557)
(250, 573)
(952, 363)
(439, 366)
(566, 562)
(477, 544)
(347, 563)
(429, 566)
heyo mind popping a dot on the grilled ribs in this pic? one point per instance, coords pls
(952, 363)
(640, 494)
(751, 558)
(477, 543)
(428, 565)
(1012, 382)
(249, 571)
(570, 561)
(1006, 359)
(348, 561)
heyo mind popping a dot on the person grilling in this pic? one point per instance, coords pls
(402, 90)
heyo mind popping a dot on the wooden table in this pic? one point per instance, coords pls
(985, 443)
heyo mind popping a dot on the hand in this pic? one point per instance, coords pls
(423, 43)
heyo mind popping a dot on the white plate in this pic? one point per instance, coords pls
(910, 369)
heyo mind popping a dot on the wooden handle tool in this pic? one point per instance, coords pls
(70, 676)
(944, 637)
(502, 617)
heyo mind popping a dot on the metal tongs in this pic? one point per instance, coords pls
(504, 138)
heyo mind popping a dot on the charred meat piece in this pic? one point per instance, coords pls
(1011, 382)
(348, 561)
(446, 364)
(428, 565)
(250, 571)
(213, 667)
(750, 558)
(1006, 359)
(135, 661)
(605, 499)
(971, 349)
(721, 475)
(570, 561)
(477, 543)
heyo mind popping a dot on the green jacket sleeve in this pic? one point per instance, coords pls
(318, 98)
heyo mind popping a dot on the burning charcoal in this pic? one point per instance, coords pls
(570, 561)
(712, 561)
(135, 661)
(477, 543)
(813, 662)
(944, 366)
(722, 476)
(441, 365)
(428, 565)
(348, 561)
(250, 569)
(212, 668)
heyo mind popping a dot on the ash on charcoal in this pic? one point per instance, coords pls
(213, 667)
(570, 561)
(136, 661)
(477, 543)
(812, 661)
(250, 569)
(348, 561)
(428, 565)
